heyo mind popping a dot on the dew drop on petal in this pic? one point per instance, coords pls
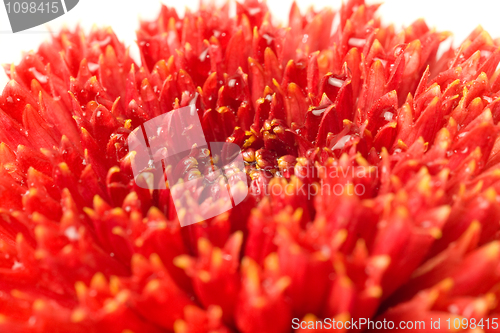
(254, 11)
(318, 112)
(17, 265)
(203, 55)
(356, 42)
(72, 233)
(453, 309)
(388, 115)
(335, 82)
(39, 76)
(93, 66)
(341, 143)
(268, 38)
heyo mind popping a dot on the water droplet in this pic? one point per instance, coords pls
(341, 143)
(335, 82)
(203, 55)
(253, 11)
(72, 233)
(318, 112)
(268, 38)
(93, 67)
(388, 116)
(17, 265)
(356, 42)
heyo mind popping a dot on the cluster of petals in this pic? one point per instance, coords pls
(334, 100)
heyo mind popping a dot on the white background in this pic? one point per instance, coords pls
(458, 16)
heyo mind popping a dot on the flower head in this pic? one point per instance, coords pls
(372, 162)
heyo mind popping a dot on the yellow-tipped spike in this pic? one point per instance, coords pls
(78, 315)
(98, 281)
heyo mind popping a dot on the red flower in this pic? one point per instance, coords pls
(373, 165)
